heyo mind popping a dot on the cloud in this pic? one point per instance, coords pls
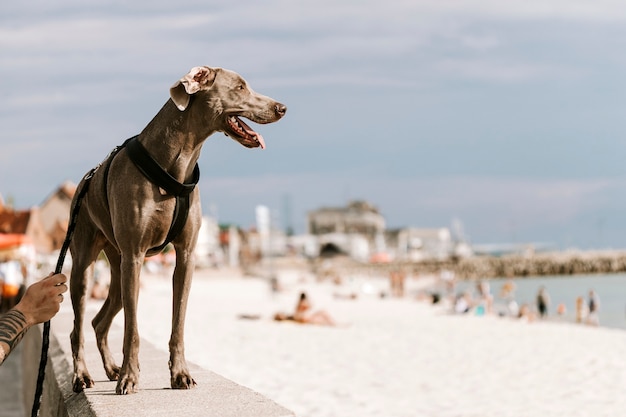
(483, 69)
(485, 110)
(312, 42)
(573, 10)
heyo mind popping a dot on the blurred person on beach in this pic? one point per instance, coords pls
(448, 278)
(463, 303)
(396, 282)
(485, 298)
(525, 313)
(593, 307)
(507, 293)
(512, 308)
(350, 296)
(303, 315)
(275, 286)
(41, 301)
(581, 309)
(543, 302)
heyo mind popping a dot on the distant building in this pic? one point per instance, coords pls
(357, 217)
(208, 250)
(358, 230)
(20, 232)
(27, 223)
(413, 244)
(54, 214)
(352, 230)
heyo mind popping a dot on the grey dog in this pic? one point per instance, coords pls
(126, 215)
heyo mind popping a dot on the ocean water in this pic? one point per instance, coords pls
(611, 290)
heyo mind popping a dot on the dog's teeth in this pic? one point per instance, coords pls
(234, 121)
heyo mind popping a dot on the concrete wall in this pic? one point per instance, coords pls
(214, 395)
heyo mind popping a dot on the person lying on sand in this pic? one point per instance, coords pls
(303, 316)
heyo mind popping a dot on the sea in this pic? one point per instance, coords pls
(610, 288)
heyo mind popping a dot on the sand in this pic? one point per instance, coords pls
(388, 357)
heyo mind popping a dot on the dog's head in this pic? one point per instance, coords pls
(229, 97)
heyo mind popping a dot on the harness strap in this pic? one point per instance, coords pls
(181, 211)
(155, 173)
(107, 165)
(161, 178)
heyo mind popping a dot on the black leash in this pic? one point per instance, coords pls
(45, 341)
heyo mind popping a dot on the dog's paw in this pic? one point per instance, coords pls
(182, 381)
(82, 382)
(126, 385)
(113, 372)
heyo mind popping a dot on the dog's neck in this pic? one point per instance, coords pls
(174, 139)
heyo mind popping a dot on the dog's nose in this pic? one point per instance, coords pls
(280, 109)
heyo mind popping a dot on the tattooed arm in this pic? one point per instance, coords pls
(12, 328)
(40, 303)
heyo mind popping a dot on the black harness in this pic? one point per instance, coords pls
(161, 178)
(151, 169)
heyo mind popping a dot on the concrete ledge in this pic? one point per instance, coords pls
(214, 395)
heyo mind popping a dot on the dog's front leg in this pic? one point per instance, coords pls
(179, 373)
(102, 321)
(129, 374)
(81, 379)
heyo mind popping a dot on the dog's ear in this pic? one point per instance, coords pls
(197, 79)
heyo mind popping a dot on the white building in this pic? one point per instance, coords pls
(357, 217)
(415, 244)
(208, 251)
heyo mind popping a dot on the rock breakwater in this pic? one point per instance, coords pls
(477, 267)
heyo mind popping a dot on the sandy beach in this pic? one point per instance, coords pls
(388, 357)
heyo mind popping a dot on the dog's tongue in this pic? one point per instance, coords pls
(260, 139)
(253, 133)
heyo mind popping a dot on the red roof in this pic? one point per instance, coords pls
(10, 240)
(14, 221)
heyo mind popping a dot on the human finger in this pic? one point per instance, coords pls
(59, 279)
(62, 288)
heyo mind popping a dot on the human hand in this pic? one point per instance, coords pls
(42, 299)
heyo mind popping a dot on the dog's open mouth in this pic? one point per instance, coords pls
(242, 133)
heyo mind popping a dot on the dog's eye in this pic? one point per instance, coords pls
(240, 87)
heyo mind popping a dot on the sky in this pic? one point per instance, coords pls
(503, 117)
